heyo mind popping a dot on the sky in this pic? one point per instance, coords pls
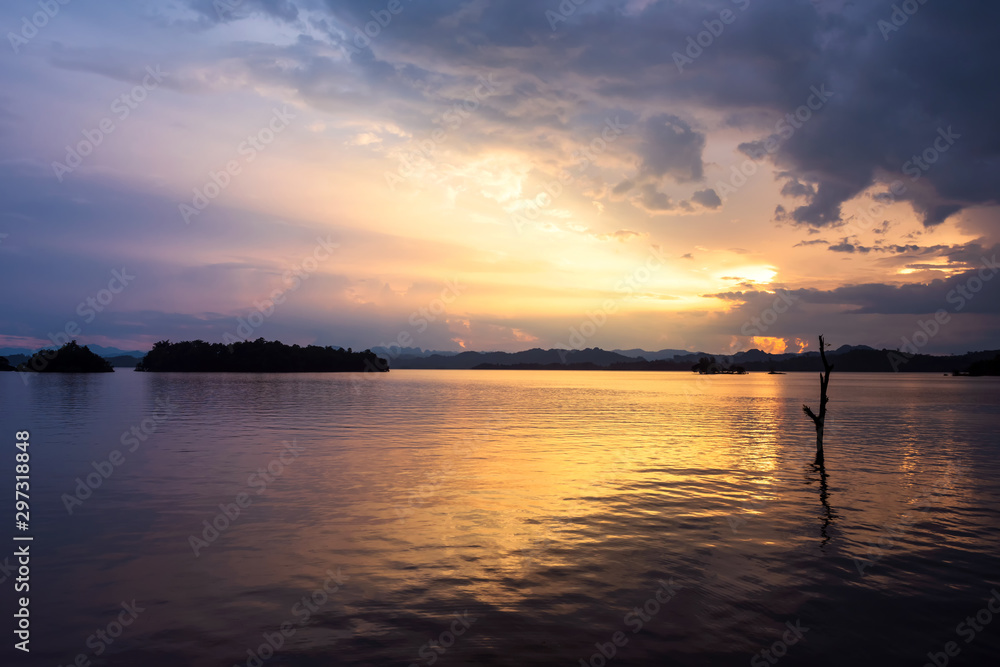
(716, 175)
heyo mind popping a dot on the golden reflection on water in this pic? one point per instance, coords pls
(568, 492)
(490, 494)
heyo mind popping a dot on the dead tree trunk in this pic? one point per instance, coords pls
(820, 419)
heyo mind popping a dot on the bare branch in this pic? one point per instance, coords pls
(820, 420)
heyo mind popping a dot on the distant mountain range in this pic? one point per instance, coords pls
(418, 353)
(595, 356)
(847, 358)
(97, 349)
(655, 356)
(118, 358)
(410, 352)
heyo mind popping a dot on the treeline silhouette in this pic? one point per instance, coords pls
(259, 356)
(852, 361)
(70, 358)
(5, 365)
(848, 359)
(984, 367)
(709, 366)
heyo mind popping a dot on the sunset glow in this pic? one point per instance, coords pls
(242, 137)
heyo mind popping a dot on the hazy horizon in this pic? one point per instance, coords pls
(428, 351)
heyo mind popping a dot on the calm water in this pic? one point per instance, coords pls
(512, 518)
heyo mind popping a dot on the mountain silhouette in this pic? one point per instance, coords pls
(850, 358)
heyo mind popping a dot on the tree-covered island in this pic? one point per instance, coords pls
(259, 356)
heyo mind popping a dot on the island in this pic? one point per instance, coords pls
(709, 366)
(5, 365)
(70, 358)
(259, 356)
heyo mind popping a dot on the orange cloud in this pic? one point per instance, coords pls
(769, 344)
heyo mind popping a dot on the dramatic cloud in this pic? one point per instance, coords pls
(542, 162)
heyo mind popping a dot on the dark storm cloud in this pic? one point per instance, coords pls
(897, 99)
(912, 101)
(893, 93)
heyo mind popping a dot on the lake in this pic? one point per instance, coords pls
(506, 518)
